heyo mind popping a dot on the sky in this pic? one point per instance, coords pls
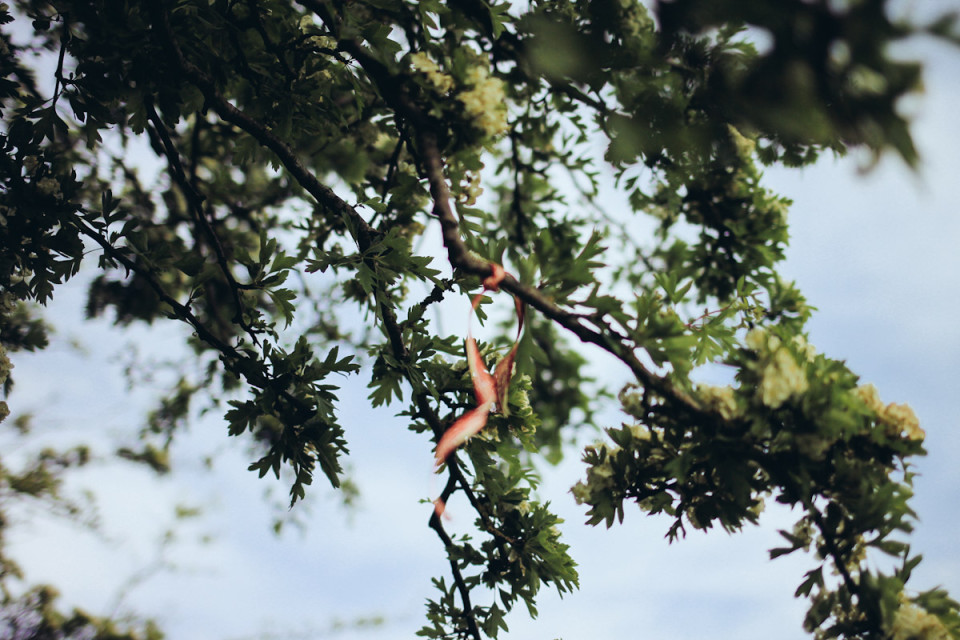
(876, 253)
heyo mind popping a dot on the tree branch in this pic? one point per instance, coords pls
(437, 525)
(195, 200)
(459, 256)
(606, 337)
(233, 360)
(833, 549)
(182, 311)
(320, 192)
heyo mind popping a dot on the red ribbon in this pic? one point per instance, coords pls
(490, 390)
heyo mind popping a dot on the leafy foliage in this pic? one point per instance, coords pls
(306, 148)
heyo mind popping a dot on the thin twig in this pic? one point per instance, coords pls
(833, 550)
(182, 311)
(195, 203)
(58, 74)
(233, 360)
(437, 525)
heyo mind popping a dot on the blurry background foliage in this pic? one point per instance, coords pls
(312, 155)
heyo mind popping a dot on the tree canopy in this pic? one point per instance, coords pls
(597, 162)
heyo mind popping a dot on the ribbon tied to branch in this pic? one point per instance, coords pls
(490, 389)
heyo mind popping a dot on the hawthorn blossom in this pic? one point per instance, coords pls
(640, 432)
(781, 377)
(913, 623)
(807, 350)
(759, 340)
(899, 419)
(720, 399)
(599, 478)
(868, 394)
(441, 81)
(902, 421)
(485, 101)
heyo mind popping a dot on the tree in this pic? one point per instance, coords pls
(308, 146)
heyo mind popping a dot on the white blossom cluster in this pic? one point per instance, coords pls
(441, 81)
(898, 419)
(599, 476)
(719, 399)
(483, 99)
(913, 623)
(781, 377)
